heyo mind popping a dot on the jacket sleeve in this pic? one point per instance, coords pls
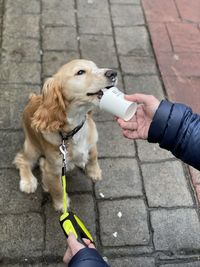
(87, 257)
(176, 128)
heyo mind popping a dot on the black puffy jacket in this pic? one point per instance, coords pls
(176, 128)
(87, 257)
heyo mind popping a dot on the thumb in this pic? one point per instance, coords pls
(73, 243)
(139, 98)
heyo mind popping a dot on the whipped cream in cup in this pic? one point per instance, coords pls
(113, 102)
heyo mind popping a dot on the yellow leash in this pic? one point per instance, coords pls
(69, 222)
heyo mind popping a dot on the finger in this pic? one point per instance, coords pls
(121, 121)
(91, 245)
(73, 243)
(68, 255)
(88, 243)
(129, 125)
(139, 98)
(131, 134)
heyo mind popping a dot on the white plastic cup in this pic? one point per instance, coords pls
(113, 102)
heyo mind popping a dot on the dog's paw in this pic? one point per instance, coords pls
(28, 186)
(58, 204)
(94, 173)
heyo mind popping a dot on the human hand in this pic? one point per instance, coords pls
(138, 126)
(74, 246)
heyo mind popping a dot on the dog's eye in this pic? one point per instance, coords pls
(80, 72)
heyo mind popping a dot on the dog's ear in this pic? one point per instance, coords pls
(51, 114)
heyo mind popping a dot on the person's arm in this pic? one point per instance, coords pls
(176, 128)
(77, 255)
(87, 257)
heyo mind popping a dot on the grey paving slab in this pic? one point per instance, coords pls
(127, 15)
(129, 229)
(23, 26)
(52, 60)
(13, 99)
(11, 143)
(78, 181)
(93, 8)
(150, 85)
(102, 25)
(175, 230)
(111, 142)
(138, 65)
(151, 151)
(55, 240)
(24, 72)
(58, 13)
(183, 264)
(100, 49)
(12, 200)
(165, 185)
(21, 235)
(121, 178)
(132, 262)
(66, 35)
(125, 2)
(133, 41)
(21, 7)
(20, 50)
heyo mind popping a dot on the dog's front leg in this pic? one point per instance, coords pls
(52, 184)
(92, 167)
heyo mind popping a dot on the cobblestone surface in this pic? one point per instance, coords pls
(143, 212)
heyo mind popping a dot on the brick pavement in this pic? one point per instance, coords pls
(160, 224)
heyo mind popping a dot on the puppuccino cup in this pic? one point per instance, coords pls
(113, 102)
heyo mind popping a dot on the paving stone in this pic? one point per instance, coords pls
(23, 26)
(130, 229)
(160, 37)
(175, 230)
(181, 65)
(151, 151)
(144, 84)
(127, 15)
(121, 178)
(14, 98)
(93, 8)
(133, 262)
(102, 25)
(58, 13)
(183, 264)
(114, 252)
(21, 235)
(24, 72)
(99, 49)
(18, 50)
(132, 41)
(111, 142)
(11, 143)
(177, 90)
(12, 200)
(78, 181)
(190, 12)
(138, 65)
(21, 7)
(184, 37)
(66, 36)
(162, 11)
(165, 184)
(125, 2)
(52, 61)
(55, 239)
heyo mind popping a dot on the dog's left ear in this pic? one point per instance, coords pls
(51, 114)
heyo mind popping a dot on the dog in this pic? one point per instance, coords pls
(67, 101)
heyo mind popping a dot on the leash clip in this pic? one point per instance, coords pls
(64, 152)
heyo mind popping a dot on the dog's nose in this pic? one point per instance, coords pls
(111, 74)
